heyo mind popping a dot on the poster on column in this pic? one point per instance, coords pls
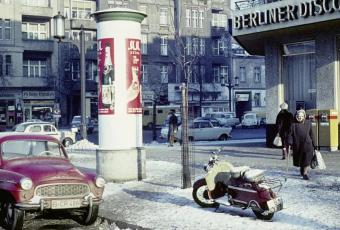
(106, 95)
(133, 66)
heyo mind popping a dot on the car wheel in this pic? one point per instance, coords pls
(67, 142)
(12, 217)
(223, 137)
(90, 216)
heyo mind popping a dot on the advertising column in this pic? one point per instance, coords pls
(121, 156)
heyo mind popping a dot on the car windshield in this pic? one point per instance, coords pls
(76, 119)
(20, 128)
(30, 148)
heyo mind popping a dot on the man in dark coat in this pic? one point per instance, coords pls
(301, 139)
(284, 120)
(173, 123)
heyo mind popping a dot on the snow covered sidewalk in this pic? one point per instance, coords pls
(159, 203)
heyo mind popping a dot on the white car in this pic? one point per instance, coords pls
(250, 120)
(204, 130)
(66, 137)
(225, 118)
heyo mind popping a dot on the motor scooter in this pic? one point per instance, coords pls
(242, 187)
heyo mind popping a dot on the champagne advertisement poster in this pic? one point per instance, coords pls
(133, 65)
(106, 96)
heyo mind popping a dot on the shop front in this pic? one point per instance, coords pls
(38, 105)
(300, 41)
(10, 108)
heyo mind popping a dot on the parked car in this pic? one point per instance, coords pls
(250, 120)
(205, 130)
(37, 176)
(225, 118)
(76, 120)
(213, 121)
(65, 136)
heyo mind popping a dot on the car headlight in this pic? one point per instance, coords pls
(100, 182)
(26, 183)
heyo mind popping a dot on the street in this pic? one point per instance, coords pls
(237, 134)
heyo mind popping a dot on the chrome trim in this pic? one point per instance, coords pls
(63, 196)
(242, 189)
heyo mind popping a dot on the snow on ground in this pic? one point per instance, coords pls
(157, 203)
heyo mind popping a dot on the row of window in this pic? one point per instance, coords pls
(220, 74)
(194, 46)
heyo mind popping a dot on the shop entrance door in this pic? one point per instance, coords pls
(27, 113)
(299, 75)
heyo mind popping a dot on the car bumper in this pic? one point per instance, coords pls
(45, 203)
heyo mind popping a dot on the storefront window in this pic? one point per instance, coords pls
(299, 74)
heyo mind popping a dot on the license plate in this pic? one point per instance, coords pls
(275, 205)
(68, 203)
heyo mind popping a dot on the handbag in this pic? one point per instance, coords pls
(277, 141)
(319, 159)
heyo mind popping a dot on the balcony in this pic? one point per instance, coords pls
(37, 11)
(12, 81)
(38, 45)
(87, 24)
(246, 4)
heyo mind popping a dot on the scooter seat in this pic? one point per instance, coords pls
(253, 175)
(237, 172)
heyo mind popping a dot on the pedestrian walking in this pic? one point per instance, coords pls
(173, 125)
(301, 138)
(284, 120)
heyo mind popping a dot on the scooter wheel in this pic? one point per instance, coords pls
(262, 216)
(200, 195)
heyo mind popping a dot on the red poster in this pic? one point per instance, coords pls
(133, 65)
(106, 96)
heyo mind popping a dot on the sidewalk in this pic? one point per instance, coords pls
(158, 202)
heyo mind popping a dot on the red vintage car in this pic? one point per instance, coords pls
(36, 175)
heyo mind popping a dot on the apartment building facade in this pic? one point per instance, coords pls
(181, 41)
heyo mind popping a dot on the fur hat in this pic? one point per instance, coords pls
(284, 105)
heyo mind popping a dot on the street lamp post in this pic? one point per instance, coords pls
(230, 85)
(59, 33)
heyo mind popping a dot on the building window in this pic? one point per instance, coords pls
(82, 9)
(202, 46)
(163, 17)
(118, 3)
(195, 74)
(195, 46)
(91, 70)
(224, 74)
(5, 29)
(144, 73)
(37, 31)
(164, 46)
(89, 35)
(219, 20)
(164, 74)
(242, 73)
(202, 72)
(201, 19)
(34, 68)
(218, 47)
(188, 45)
(1, 65)
(216, 74)
(194, 18)
(187, 18)
(257, 74)
(257, 100)
(40, 3)
(8, 65)
(75, 73)
(144, 44)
